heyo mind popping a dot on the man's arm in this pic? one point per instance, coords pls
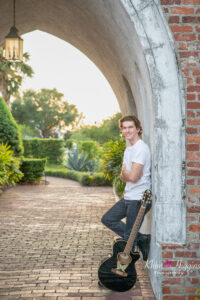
(133, 175)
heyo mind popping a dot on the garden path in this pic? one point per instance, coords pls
(52, 241)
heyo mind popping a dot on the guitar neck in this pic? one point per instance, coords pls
(134, 230)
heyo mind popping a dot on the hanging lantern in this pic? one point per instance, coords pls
(13, 42)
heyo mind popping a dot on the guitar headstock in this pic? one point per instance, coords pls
(146, 198)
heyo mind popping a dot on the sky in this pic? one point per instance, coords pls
(57, 64)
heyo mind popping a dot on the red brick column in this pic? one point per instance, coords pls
(181, 264)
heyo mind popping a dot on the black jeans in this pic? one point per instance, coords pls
(123, 208)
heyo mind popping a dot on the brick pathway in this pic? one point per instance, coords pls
(52, 240)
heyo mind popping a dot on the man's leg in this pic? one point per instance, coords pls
(133, 207)
(112, 218)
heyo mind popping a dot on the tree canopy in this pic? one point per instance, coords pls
(44, 110)
(108, 129)
(12, 75)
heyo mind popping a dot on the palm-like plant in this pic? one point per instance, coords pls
(79, 162)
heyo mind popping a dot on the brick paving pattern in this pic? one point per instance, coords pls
(52, 241)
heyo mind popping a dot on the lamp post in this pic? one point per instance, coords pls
(13, 42)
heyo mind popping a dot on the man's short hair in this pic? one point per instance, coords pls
(132, 118)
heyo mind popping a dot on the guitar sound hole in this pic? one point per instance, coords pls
(123, 255)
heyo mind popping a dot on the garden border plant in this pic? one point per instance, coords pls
(33, 169)
(10, 172)
(85, 178)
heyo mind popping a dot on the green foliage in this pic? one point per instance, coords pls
(33, 169)
(45, 111)
(62, 172)
(67, 135)
(85, 178)
(112, 162)
(12, 74)
(96, 179)
(51, 149)
(28, 132)
(69, 143)
(113, 156)
(119, 186)
(9, 130)
(9, 167)
(91, 148)
(107, 130)
(79, 161)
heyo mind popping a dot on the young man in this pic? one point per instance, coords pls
(136, 173)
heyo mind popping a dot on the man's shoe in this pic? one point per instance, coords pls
(117, 239)
(143, 243)
(100, 284)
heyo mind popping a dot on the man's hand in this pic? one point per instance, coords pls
(133, 175)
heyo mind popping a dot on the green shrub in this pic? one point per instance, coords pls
(85, 178)
(33, 169)
(112, 157)
(64, 173)
(119, 186)
(51, 149)
(69, 143)
(91, 148)
(9, 130)
(96, 179)
(112, 162)
(9, 167)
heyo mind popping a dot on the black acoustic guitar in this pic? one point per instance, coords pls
(118, 273)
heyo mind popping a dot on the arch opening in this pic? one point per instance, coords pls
(130, 38)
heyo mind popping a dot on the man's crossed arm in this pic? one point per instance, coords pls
(134, 174)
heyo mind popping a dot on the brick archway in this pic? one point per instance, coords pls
(132, 39)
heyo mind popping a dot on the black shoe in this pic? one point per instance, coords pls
(118, 239)
(143, 243)
(100, 284)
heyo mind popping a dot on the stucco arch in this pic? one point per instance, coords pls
(128, 39)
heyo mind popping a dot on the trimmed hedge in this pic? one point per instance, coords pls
(96, 179)
(51, 149)
(85, 178)
(9, 130)
(33, 169)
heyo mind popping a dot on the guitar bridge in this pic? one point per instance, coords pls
(119, 272)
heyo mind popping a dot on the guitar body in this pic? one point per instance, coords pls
(115, 281)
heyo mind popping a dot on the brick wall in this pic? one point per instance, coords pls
(181, 264)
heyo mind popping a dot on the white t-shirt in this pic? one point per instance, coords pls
(138, 153)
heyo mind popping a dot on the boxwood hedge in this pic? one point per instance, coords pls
(51, 149)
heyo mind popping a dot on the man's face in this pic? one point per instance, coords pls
(129, 130)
